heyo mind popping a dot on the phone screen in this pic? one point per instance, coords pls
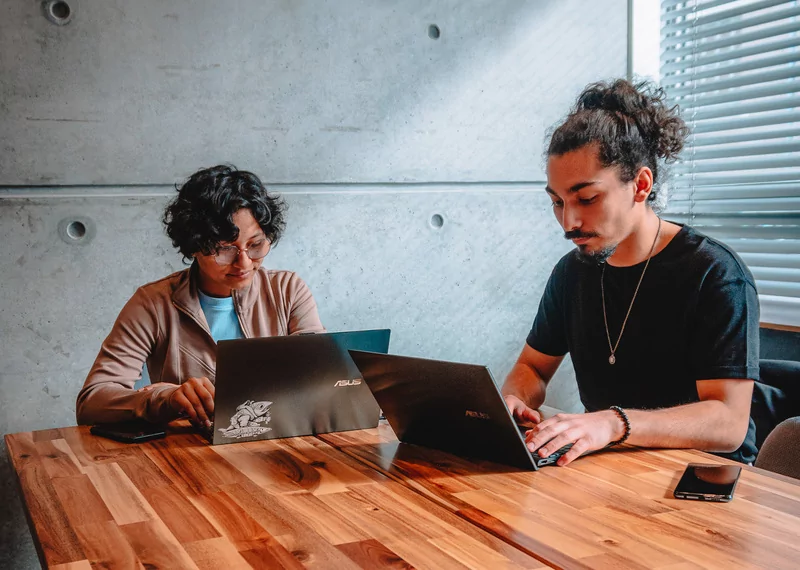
(708, 482)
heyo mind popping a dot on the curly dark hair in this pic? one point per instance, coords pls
(200, 217)
(631, 124)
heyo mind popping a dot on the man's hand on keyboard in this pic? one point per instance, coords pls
(587, 432)
(521, 412)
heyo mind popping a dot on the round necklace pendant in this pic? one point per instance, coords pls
(612, 359)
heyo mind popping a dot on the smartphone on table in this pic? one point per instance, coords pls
(708, 482)
(129, 432)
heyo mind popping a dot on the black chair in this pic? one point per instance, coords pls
(780, 452)
(776, 397)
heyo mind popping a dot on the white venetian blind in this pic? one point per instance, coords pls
(733, 66)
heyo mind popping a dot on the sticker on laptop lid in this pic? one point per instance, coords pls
(250, 420)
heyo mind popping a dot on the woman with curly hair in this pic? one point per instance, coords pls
(226, 222)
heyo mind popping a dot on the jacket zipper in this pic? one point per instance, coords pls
(191, 316)
(239, 315)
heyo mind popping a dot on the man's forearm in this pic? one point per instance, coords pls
(524, 383)
(709, 425)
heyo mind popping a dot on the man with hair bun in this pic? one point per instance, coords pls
(661, 321)
(225, 221)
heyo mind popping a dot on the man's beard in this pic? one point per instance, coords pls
(596, 257)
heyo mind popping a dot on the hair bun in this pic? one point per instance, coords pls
(642, 105)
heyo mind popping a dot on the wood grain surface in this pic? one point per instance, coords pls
(180, 503)
(613, 509)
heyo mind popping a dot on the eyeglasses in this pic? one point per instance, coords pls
(227, 254)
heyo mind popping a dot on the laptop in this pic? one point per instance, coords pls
(449, 406)
(287, 386)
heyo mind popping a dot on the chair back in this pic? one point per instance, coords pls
(781, 450)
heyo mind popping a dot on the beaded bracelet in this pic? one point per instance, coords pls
(624, 417)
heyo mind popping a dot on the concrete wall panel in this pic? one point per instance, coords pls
(307, 90)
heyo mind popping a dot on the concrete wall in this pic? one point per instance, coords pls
(368, 127)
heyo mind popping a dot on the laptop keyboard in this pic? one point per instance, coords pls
(550, 459)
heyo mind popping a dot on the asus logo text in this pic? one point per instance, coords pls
(353, 382)
(479, 415)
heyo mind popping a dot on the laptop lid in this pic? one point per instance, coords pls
(287, 386)
(449, 406)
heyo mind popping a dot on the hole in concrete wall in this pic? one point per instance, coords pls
(434, 32)
(58, 12)
(437, 221)
(76, 230)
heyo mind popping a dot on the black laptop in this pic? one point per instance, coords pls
(449, 406)
(287, 386)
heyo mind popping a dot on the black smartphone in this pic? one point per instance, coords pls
(129, 432)
(708, 482)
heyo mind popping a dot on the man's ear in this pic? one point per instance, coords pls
(643, 184)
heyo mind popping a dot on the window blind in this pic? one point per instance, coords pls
(733, 66)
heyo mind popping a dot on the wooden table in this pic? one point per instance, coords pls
(360, 499)
(607, 510)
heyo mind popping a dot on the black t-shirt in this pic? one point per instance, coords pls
(695, 317)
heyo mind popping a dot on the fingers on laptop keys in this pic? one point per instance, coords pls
(195, 397)
(553, 434)
(522, 413)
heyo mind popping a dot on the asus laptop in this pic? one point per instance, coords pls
(287, 386)
(448, 406)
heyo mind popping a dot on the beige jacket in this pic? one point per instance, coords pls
(164, 326)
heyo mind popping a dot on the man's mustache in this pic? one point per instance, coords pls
(577, 234)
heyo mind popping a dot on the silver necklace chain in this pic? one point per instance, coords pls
(612, 358)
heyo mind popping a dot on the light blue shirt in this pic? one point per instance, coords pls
(221, 316)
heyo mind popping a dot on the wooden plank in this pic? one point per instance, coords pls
(331, 524)
(191, 464)
(707, 547)
(216, 553)
(370, 554)
(396, 462)
(179, 514)
(568, 524)
(270, 467)
(142, 472)
(271, 556)
(335, 474)
(248, 461)
(474, 554)
(21, 450)
(522, 517)
(542, 549)
(81, 501)
(155, 547)
(294, 538)
(91, 450)
(53, 534)
(80, 565)
(123, 499)
(106, 546)
(230, 519)
(46, 435)
(410, 526)
(57, 458)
